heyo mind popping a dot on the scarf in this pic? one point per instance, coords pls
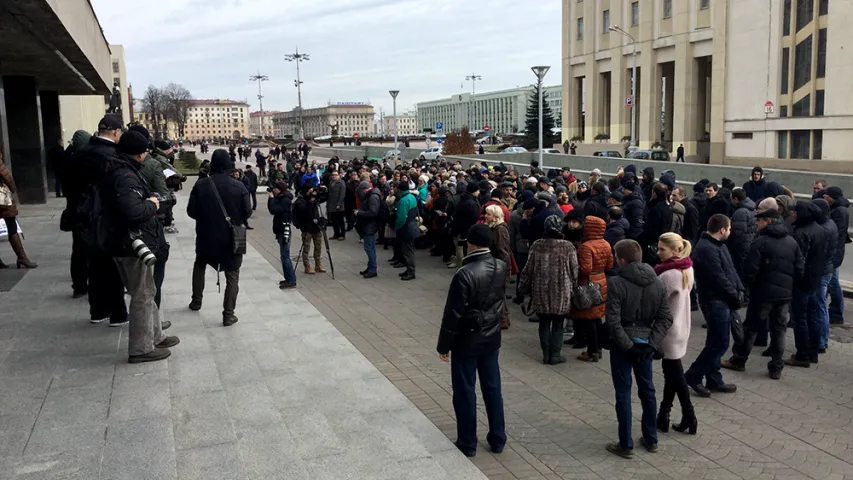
(674, 264)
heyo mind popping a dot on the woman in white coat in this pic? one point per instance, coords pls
(676, 273)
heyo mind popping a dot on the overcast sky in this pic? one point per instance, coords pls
(359, 49)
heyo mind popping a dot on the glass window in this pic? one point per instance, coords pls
(805, 12)
(605, 21)
(821, 53)
(783, 111)
(667, 8)
(786, 18)
(803, 63)
(580, 28)
(824, 7)
(115, 67)
(817, 154)
(803, 107)
(782, 144)
(786, 63)
(703, 4)
(800, 143)
(818, 102)
(635, 14)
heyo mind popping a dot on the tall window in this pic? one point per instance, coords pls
(782, 144)
(821, 53)
(580, 28)
(786, 18)
(703, 4)
(786, 65)
(667, 8)
(819, 98)
(605, 21)
(803, 63)
(817, 153)
(635, 14)
(803, 107)
(800, 144)
(805, 12)
(824, 7)
(115, 67)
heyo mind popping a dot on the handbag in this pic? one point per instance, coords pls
(587, 296)
(238, 232)
(5, 195)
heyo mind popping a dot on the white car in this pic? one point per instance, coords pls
(431, 153)
(515, 150)
(392, 154)
(548, 150)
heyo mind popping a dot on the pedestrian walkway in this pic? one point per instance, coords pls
(559, 418)
(280, 395)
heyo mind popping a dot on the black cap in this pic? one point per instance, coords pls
(132, 143)
(110, 122)
(403, 186)
(480, 235)
(835, 193)
(141, 129)
(162, 144)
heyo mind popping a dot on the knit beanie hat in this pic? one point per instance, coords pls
(480, 235)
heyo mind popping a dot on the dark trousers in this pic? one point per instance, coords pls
(168, 217)
(707, 364)
(106, 290)
(621, 367)
(758, 316)
(232, 287)
(254, 195)
(79, 264)
(463, 372)
(521, 261)
(551, 336)
(674, 385)
(407, 249)
(338, 224)
(679, 158)
(806, 326)
(350, 218)
(588, 329)
(159, 276)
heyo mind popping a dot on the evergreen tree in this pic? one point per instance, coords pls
(531, 138)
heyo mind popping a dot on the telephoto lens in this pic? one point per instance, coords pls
(142, 251)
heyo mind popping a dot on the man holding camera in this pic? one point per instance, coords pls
(132, 234)
(306, 215)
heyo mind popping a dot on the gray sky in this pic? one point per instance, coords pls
(359, 49)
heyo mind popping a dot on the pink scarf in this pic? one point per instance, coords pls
(674, 264)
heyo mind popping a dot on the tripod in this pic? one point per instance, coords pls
(322, 224)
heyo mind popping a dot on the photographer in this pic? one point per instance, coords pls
(280, 205)
(164, 154)
(307, 218)
(133, 234)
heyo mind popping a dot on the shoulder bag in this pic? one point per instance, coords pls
(238, 232)
(5, 195)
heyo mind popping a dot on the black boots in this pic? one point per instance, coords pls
(688, 424)
(663, 421)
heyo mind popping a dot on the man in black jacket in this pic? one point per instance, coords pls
(658, 222)
(465, 214)
(471, 331)
(633, 208)
(335, 205)
(840, 214)
(213, 243)
(772, 268)
(106, 290)
(366, 223)
(720, 294)
(279, 205)
(647, 182)
(818, 303)
(691, 228)
(129, 217)
(743, 229)
(637, 317)
(814, 244)
(252, 185)
(596, 205)
(306, 216)
(714, 204)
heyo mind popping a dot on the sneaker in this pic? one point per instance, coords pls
(728, 365)
(155, 355)
(724, 388)
(97, 320)
(249, 228)
(118, 324)
(370, 275)
(651, 447)
(170, 229)
(228, 320)
(165, 325)
(616, 449)
(195, 305)
(795, 362)
(168, 342)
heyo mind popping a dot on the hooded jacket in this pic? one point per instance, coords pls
(658, 222)
(839, 212)
(787, 211)
(646, 183)
(678, 213)
(367, 217)
(756, 190)
(637, 307)
(832, 230)
(87, 167)
(596, 206)
(814, 244)
(633, 208)
(774, 265)
(595, 256)
(691, 227)
(518, 243)
(465, 214)
(152, 172)
(616, 230)
(280, 207)
(715, 273)
(743, 232)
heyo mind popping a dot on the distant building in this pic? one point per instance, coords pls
(349, 118)
(260, 123)
(159, 127)
(406, 124)
(208, 119)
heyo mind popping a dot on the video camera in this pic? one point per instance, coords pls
(169, 200)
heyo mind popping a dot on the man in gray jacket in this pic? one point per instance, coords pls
(335, 205)
(637, 318)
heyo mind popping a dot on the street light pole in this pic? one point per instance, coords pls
(260, 78)
(298, 57)
(394, 94)
(473, 78)
(618, 29)
(540, 72)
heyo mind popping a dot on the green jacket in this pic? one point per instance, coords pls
(407, 202)
(152, 172)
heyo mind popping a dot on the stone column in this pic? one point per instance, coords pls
(52, 128)
(26, 139)
(718, 82)
(686, 99)
(593, 100)
(650, 100)
(571, 105)
(620, 87)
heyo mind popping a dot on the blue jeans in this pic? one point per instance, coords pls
(286, 262)
(836, 298)
(370, 250)
(463, 373)
(620, 369)
(818, 308)
(718, 316)
(807, 328)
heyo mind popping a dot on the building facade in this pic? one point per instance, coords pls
(733, 81)
(159, 127)
(406, 125)
(207, 119)
(260, 123)
(344, 119)
(503, 111)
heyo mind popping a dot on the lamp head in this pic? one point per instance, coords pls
(394, 93)
(540, 71)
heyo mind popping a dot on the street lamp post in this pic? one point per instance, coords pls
(473, 78)
(618, 29)
(298, 57)
(540, 72)
(260, 78)
(394, 94)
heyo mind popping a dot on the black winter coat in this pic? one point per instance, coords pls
(533, 228)
(637, 307)
(715, 273)
(616, 230)
(774, 265)
(465, 214)
(743, 232)
(692, 226)
(596, 206)
(658, 222)
(367, 217)
(280, 208)
(87, 166)
(840, 214)
(471, 324)
(814, 244)
(305, 215)
(213, 244)
(633, 208)
(756, 191)
(349, 196)
(337, 196)
(252, 180)
(713, 206)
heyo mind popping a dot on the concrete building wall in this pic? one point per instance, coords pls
(217, 118)
(406, 125)
(80, 112)
(261, 125)
(79, 19)
(118, 70)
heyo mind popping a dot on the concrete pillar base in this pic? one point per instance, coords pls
(26, 141)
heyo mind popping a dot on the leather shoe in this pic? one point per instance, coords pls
(700, 390)
(724, 388)
(407, 277)
(370, 275)
(168, 342)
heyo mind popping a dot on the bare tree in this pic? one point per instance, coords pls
(177, 99)
(154, 103)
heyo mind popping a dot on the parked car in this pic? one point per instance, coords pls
(431, 153)
(660, 155)
(391, 154)
(515, 150)
(607, 153)
(546, 150)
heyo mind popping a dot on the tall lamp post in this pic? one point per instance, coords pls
(473, 78)
(540, 72)
(298, 58)
(618, 29)
(260, 78)
(394, 94)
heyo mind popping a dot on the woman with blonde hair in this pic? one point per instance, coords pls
(676, 273)
(500, 247)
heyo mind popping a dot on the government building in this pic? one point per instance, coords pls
(738, 82)
(345, 118)
(207, 119)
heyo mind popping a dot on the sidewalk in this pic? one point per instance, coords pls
(280, 395)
